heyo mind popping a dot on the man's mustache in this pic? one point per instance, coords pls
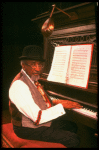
(36, 72)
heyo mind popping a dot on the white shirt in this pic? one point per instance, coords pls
(20, 95)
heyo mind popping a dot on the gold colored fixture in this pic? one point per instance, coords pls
(48, 26)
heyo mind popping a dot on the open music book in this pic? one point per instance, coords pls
(71, 64)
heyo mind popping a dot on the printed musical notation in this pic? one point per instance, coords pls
(71, 64)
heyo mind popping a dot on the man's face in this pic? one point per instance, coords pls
(33, 67)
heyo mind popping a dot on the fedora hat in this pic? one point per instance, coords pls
(32, 52)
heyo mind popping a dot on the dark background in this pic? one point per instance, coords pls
(18, 31)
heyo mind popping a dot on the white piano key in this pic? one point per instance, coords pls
(87, 112)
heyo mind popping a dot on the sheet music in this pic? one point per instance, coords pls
(71, 64)
(79, 65)
(59, 66)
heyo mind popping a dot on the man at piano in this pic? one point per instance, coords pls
(34, 116)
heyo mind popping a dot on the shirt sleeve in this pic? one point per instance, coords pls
(20, 95)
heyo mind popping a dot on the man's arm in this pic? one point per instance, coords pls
(20, 95)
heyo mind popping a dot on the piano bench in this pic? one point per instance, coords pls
(10, 140)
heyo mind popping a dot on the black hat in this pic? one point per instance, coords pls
(32, 52)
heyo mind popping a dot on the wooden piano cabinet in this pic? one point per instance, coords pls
(81, 30)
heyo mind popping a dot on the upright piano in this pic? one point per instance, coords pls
(82, 29)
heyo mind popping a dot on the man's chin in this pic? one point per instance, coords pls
(35, 77)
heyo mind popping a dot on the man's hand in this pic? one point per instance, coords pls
(67, 103)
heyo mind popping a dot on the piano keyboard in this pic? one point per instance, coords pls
(87, 112)
(83, 111)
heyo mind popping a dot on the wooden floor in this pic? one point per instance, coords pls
(5, 117)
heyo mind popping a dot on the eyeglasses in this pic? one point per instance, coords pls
(34, 65)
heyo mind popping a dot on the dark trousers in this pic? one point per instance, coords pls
(61, 131)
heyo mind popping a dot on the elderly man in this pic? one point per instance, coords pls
(32, 113)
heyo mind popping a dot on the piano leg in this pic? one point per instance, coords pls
(87, 136)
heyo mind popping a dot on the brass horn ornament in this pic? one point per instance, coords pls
(48, 26)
